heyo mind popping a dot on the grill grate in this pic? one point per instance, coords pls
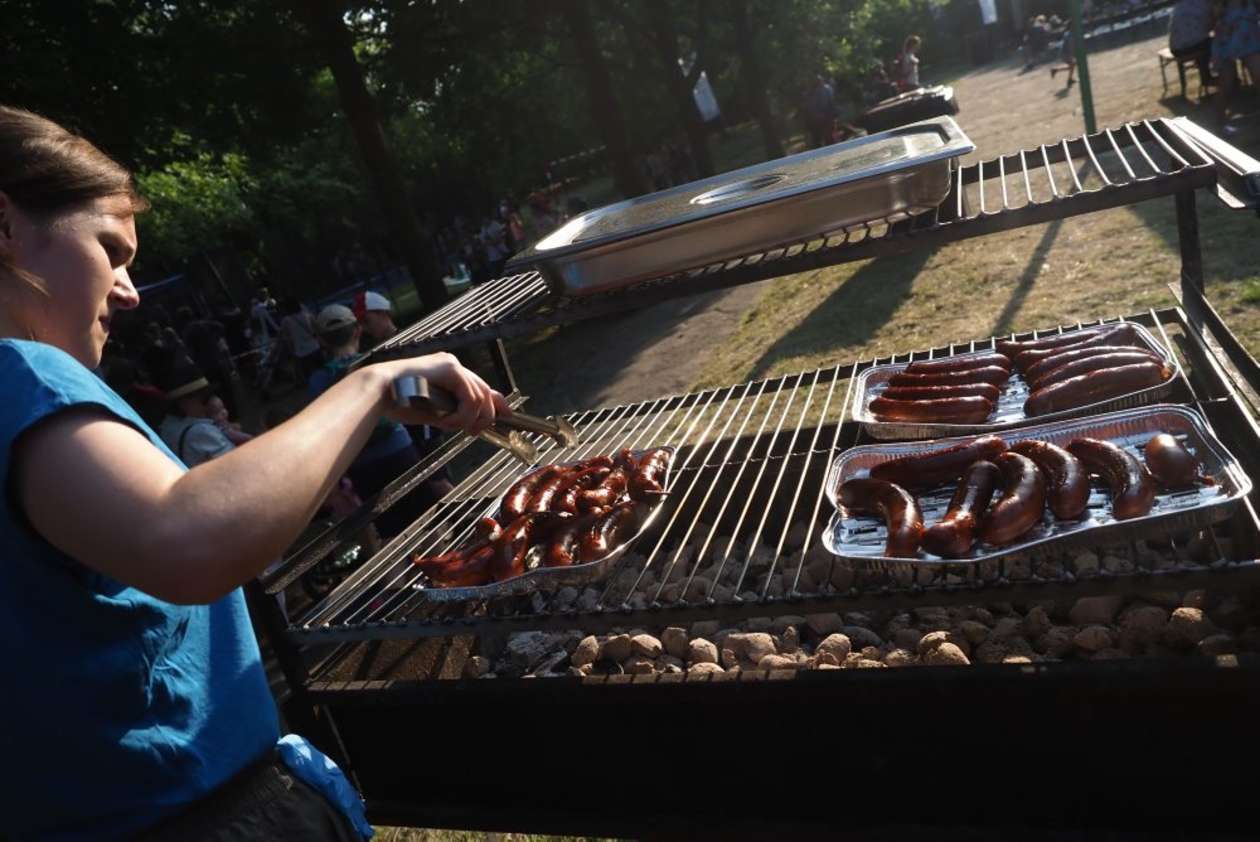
(1114, 167)
(740, 531)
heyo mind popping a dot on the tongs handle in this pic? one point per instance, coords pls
(419, 393)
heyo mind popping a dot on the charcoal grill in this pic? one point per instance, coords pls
(984, 751)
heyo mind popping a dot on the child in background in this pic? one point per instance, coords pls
(219, 415)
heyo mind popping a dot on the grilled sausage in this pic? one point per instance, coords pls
(926, 393)
(1095, 386)
(966, 363)
(547, 494)
(646, 483)
(484, 531)
(1022, 502)
(1012, 348)
(1170, 463)
(609, 530)
(925, 470)
(470, 572)
(579, 481)
(509, 550)
(1121, 336)
(953, 535)
(1085, 365)
(609, 491)
(895, 505)
(1067, 481)
(985, 374)
(969, 410)
(522, 491)
(566, 543)
(1132, 486)
(1045, 365)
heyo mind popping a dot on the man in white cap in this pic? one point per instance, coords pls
(375, 313)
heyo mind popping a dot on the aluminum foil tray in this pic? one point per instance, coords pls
(1010, 406)
(861, 538)
(890, 175)
(543, 578)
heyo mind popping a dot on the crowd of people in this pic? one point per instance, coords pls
(821, 110)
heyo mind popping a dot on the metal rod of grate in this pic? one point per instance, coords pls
(1113, 167)
(740, 529)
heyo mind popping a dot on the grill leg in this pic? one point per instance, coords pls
(502, 368)
(1188, 239)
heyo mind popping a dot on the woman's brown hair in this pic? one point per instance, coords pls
(46, 169)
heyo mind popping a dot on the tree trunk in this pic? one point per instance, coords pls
(751, 79)
(325, 20)
(604, 107)
(665, 42)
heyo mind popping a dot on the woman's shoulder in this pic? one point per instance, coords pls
(26, 363)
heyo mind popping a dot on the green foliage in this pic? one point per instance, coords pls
(197, 204)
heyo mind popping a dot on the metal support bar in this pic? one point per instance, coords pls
(1082, 66)
(1188, 241)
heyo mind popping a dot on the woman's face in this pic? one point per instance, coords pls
(81, 258)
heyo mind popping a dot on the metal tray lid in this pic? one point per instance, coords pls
(761, 184)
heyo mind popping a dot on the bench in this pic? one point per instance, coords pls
(1166, 58)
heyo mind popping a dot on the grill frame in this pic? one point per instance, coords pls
(371, 725)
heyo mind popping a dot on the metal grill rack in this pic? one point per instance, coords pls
(740, 532)
(1114, 167)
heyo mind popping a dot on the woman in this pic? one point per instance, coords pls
(908, 63)
(142, 707)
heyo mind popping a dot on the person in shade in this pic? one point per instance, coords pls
(143, 710)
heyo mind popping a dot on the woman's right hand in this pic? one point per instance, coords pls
(478, 404)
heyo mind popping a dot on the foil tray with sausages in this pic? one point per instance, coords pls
(876, 384)
(1220, 485)
(538, 576)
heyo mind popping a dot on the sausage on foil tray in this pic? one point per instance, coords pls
(1001, 493)
(556, 515)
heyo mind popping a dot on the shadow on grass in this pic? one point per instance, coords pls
(1006, 318)
(853, 313)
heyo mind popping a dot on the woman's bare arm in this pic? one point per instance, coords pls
(98, 490)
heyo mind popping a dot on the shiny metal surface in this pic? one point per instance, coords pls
(886, 176)
(1009, 411)
(861, 538)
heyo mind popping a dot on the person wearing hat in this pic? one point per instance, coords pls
(189, 428)
(375, 313)
(390, 450)
(143, 709)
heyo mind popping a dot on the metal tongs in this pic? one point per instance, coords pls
(419, 393)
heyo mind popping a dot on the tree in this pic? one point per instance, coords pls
(325, 19)
(664, 38)
(752, 80)
(599, 91)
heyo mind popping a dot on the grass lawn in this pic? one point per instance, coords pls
(1102, 264)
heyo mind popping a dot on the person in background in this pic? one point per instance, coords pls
(189, 429)
(144, 710)
(1237, 39)
(375, 315)
(1067, 59)
(820, 113)
(493, 236)
(206, 343)
(908, 64)
(1190, 34)
(515, 225)
(219, 415)
(297, 329)
(389, 450)
(261, 322)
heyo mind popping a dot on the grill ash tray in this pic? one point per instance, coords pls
(861, 538)
(540, 578)
(1009, 411)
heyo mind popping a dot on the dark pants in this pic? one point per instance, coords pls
(1202, 53)
(371, 477)
(264, 802)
